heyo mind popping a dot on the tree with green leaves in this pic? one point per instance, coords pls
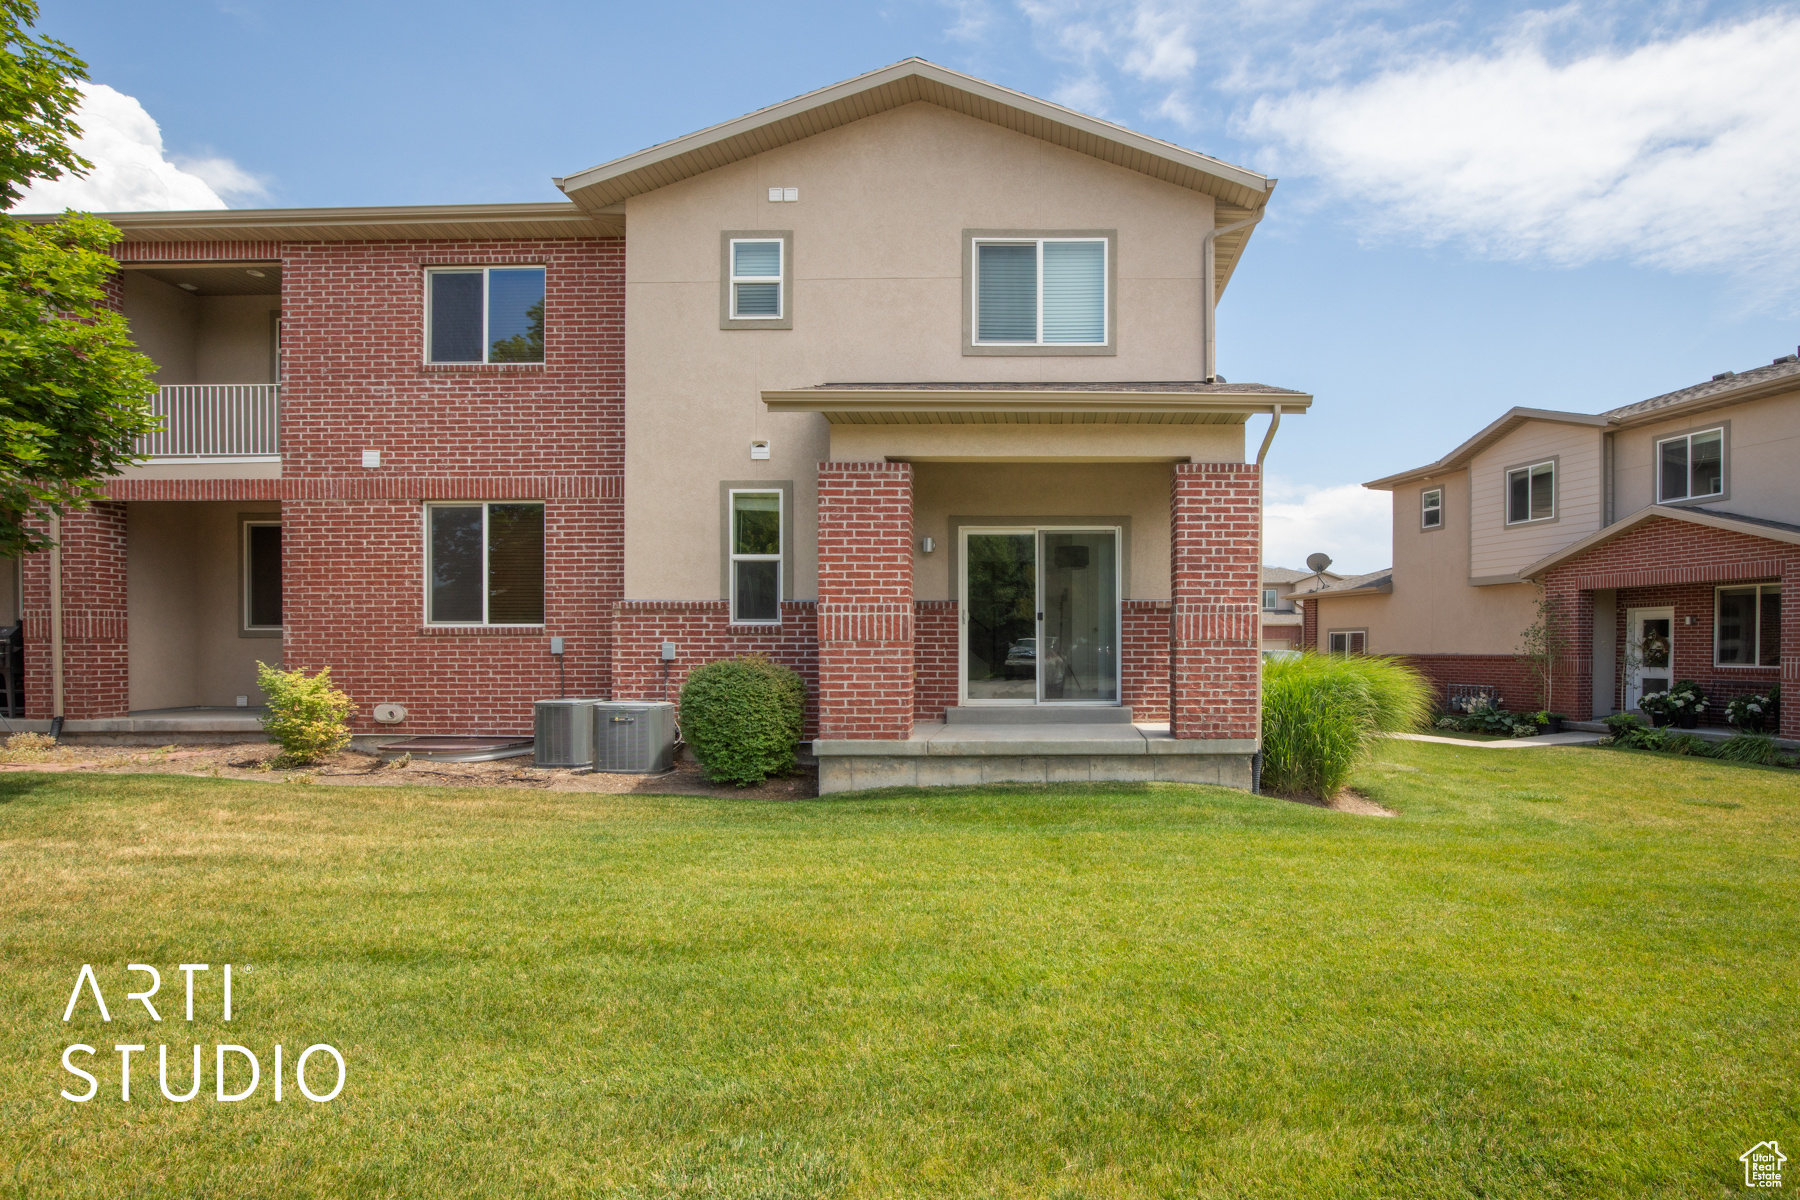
(74, 392)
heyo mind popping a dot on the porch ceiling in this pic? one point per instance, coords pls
(1154, 402)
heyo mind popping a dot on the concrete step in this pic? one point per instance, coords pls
(1037, 714)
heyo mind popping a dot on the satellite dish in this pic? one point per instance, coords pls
(1316, 563)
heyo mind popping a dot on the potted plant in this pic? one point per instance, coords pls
(1686, 702)
(1758, 712)
(1554, 722)
(1656, 706)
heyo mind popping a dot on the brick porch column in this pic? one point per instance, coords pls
(1215, 664)
(865, 600)
(1790, 648)
(1572, 671)
(96, 663)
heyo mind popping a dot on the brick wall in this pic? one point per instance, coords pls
(1517, 686)
(1144, 659)
(1693, 646)
(702, 632)
(96, 669)
(1216, 616)
(936, 648)
(866, 685)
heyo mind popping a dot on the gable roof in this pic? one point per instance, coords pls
(1775, 531)
(1374, 582)
(1240, 193)
(1508, 421)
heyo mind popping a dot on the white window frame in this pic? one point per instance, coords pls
(734, 558)
(1431, 501)
(471, 269)
(1271, 599)
(246, 524)
(483, 505)
(778, 279)
(975, 338)
(1528, 469)
(1688, 482)
(1346, 634)
(1756, 648)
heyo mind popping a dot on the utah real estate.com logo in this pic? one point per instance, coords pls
(1762, 1165)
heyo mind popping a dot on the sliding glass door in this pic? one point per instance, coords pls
(1040, 615)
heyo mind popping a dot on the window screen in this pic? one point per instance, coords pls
(262, 575)
(1048, 291)
(756, 556)
(487, 564)
(486, 314)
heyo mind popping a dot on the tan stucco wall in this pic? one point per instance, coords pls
(165, 323)
(1762, 448)
(233, 339)
(1497, 549)
(182, 604)
(1139, 491)
(877, 296)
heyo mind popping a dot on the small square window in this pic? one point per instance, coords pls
(1531, 493)
(1431, 508)
(484, 315)
(1692, 466)
(1271, 597)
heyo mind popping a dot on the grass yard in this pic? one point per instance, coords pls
(1559, 972)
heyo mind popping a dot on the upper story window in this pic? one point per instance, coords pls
(485, 564)
(756, 279)
(1045, 293)
(1691, 466)
(1271, 598)
(484, 315)
(1531, 493)
(755, 556)
(1431, 508)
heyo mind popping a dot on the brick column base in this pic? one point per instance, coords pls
(865, 601)
(96, 661)
(1215, 661)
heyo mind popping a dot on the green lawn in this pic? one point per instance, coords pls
(1559, 972)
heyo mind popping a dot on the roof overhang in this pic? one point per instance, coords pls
(554, 219)
(1505, 424)
(1744, 391)
(1239, 192)
(1101, 404)
(1774, 531)
(1384, 588)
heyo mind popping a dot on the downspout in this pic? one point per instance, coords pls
(1209, 300)
(56, 628)
(1256, 763)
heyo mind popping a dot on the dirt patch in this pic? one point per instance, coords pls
(252, 761)
(1348, 800)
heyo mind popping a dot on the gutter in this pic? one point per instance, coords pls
(1269, 437)
(1209, 298)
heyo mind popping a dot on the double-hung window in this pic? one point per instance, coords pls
(1040, 291)
(1692, 466)
(756, 278)
(1431, 508)
(261, 575)
(484, 315)
(1747, 626)
(1270, 598)
(1346, 641)
(485, 563)
(1531, 493)
(756, 556)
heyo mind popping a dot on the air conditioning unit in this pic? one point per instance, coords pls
(634, 737)
(565, 733)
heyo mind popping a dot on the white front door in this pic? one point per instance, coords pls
(1649, 652)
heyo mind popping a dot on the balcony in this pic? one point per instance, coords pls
(215, 422)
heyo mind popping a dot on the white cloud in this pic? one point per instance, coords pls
(132, 172)
(1676, 154)
(1350, 523)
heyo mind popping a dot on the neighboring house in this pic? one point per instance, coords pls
(1281, 619)
(1663, 534)
(906, 383)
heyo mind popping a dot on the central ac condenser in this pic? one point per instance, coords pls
(635, 737)
(564, 732)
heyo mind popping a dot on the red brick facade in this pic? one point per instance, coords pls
(1144, 659)
(866, 681)
(1510, 676)
(702, 632)
(936, 658)
(1215, 623)
(96, 665)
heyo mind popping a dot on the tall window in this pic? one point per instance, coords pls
(485, 564)
(484, 314)
(1691, 466)
(1040, 292)
(1270, 598)
(262, 577)
(1431, 508)
(1747, 626)
(1346, 641)
(755, 556)
(1531, 493)
(756, 279)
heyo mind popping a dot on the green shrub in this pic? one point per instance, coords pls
(1757, 748)
(1321, 713)
(307, 718)
(1630, 733)
(1686, 743)
(743, 717)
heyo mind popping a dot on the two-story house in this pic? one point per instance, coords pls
(1281, 614)
(907, 383)
(1662, 536)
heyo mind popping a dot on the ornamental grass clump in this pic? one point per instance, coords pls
(1321, 714)
(743, 717)
(308, 718)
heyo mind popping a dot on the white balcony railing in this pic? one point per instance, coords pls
(229, 421)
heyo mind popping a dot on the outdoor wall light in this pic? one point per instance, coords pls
(927, 545)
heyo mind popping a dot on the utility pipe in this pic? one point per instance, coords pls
(1209, 301)
(56, 627)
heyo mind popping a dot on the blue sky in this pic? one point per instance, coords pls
(1481, 204)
